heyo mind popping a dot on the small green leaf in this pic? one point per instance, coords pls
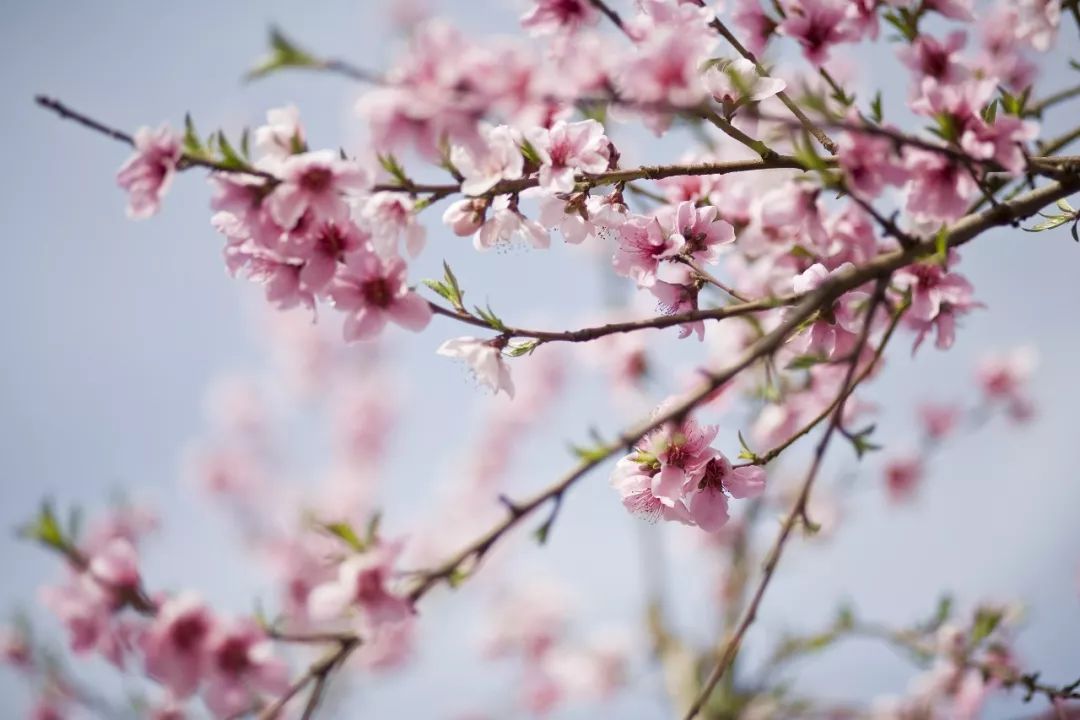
(344, 532)
(941, 245)
(192, 144)
(489, 316)
(1053, 222)
(392, 166)
(1064, 206)
(229, 156)
(590, 454)
(530, 153)
(283, 54)
(456, 577)
(745, 453)
(986, 621)
(804, 362)
(523, 348)
(875, 109)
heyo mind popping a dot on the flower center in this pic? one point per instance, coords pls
(188, 632)
(376, 292)
(316, 179)
(232, 658)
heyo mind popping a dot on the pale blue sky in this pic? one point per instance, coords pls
(113, 329)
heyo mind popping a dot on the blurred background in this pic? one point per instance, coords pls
(115, 329)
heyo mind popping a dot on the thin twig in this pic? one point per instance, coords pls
(611, 15)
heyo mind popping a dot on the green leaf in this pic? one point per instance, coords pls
(46, 529)
(803, 362)
(392, 166)
(229, 156)
(875, 109)
(448, 288)
(941, 245)
(344, 532)
(745, 453)
(590, 454)
(1053, 222)
(456, 577)
(530, 153)
(489, 316)
(541, 533)
(989, 113)
(284, 53)
(519, 349)
(192, 143)
(1064, 206)
(861, 443)
(986, 621)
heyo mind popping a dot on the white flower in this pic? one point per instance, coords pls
(485, 360)
(502, 160)
(738, 79)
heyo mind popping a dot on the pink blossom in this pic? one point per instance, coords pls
(938, 420)
(315, 182)
(937, 187)
(362, 585)
(902, 475)
(665, 68)
(1004, 377)
(938, 297)
(680, 451)
(529, 619)
(933, 289)
(370, 291)
(642, 245)
(708, 505)
(698, 232)
(85, 607)
(551, 16)
(954, 9)
(282, 135)
(568, 148)
(147, 174)
(1002, 141)
(317, 249)
(116, 567)
(732, 82)
(485, 359)
(674, 299)
(466, 216)
(927, 57)
(241, 666)
(392, 215)
(500, 159)
(15, 647)
(756, 26)
(1040, 22)
(176, 645)
(817, 25)
(389, 646)
(633, 478)
(869, 163)
(506, 222)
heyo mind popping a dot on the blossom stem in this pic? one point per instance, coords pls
(592, 333)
